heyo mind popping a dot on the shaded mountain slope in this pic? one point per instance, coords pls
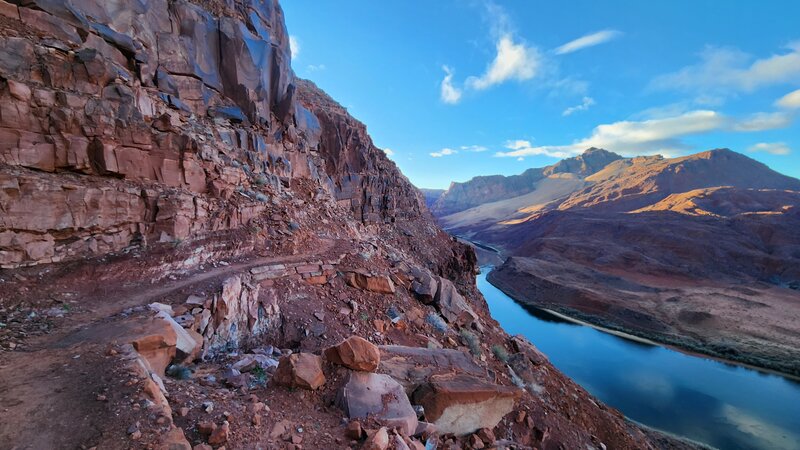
(485, 189)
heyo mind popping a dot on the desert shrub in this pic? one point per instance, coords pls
(471, 340)
(500, 353)
(436, 321)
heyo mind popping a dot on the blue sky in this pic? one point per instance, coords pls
(459, 88)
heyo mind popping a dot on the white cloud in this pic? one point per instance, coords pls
(294, 46)
(775, 148)
(449, 93)
(389, 152)
(444, 152)
(590, 40)
(474, 148)
(522, 148)
(762, 121)
(316, 67)
(730, 70)
(660, 135)
(513, 61)
(586, 103)
(790, 100)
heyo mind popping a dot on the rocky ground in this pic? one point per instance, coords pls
(199, 250)
(128, 380)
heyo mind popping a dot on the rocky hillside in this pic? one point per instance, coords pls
(431, 195)
(699, 251)
(201, 251)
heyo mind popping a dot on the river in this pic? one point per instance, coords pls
(722, 405)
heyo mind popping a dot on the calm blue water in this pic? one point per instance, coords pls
(718, 404)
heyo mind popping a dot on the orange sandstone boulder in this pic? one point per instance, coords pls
(462, 404)
(355, 353)
(302, 370)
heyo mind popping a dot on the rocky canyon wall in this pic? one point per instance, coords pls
(123, 124)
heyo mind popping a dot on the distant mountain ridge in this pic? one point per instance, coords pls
(484, 189)
(699, 251)
(599, 178)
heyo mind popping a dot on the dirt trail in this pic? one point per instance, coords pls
(49, 393)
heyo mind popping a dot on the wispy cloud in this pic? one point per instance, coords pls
(775, 148)
(512, 61)
(586, 103)
(728, 70)
(590, 40)
(661, 135)
(761, 122)
(294, 46)
(522, 148)
(474, 148)
(790, 100)
(389, 152)
(316, 67)
(449, 93)
(444, 152)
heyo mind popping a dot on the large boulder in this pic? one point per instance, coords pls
(187, 343)
(378, 396)
(355, 353)
(154, 339)
(461, 404)
(381, 284)
(413, 366)
(302, 370)
(453, 306)
(424, 285)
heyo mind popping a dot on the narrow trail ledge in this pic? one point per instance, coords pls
(183, 219)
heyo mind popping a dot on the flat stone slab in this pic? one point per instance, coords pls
(413, 366)
(378, 396)
(461, 404)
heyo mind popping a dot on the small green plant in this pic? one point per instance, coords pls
(259, 374)
(471, 341)
(500, 353)
(261, 180)
(364, 316)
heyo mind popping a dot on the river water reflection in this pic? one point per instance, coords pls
(718, 404)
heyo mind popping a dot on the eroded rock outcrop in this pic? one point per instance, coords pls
(165, 123)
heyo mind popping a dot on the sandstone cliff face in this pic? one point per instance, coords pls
(130, 124)
(127, 124)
